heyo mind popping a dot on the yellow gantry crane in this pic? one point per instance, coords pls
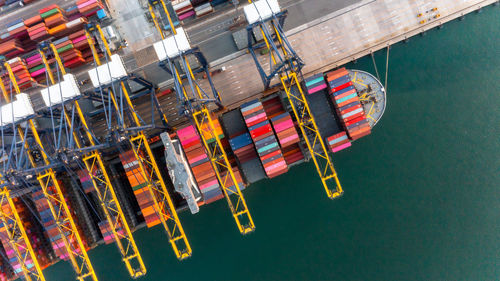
(203, 121)
(17, 237)
(51, 189)
(96, 170)
(163, 203)
(286, 64)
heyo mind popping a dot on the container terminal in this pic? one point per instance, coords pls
(117, 115)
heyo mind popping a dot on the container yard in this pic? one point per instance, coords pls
(93, 149)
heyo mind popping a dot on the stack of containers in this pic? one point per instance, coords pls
(242, 147)
(226, 146)
(240, 143)
(49, 223)
(315, 83)
(71, 56)
(6, 272)
(237, 175)
(284, 129)
(35, 232)
(21, 73)
(14, 39)
(86, 181)
(183, 8)
(11, 48)
(88, 187)
(81, 43)
(54, 18)
(37, 30)
(72, 13)
(69, 27)
(89, 8)
(288, 137)
(11, 255)
(263, 138)
(107, 233)
(140, 188)
(338, 142)
(203, 9)
(80, 213)
(21, 36)
(36, 68)
(18, 3)
(201, 166)
(347, 104)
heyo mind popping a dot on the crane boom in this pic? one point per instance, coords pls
(287, 65)
(206, 130)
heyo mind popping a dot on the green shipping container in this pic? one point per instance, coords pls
(65, 48)
(49, 13)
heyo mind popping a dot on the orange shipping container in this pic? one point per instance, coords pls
(57, 29)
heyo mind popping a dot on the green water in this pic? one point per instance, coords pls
(425, 204)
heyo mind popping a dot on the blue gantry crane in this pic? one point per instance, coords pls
(173, 52)
(267, 17)
(124, 126)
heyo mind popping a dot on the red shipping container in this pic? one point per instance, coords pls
(261, 130)
(342, 112)
(270, 155)
(355, 116)
(333, 90)
(48, 8)
(356, 120)
(263, 136)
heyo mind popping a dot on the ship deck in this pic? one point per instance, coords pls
(371, 93)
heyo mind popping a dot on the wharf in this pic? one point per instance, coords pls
(326, 43)
(341, 37)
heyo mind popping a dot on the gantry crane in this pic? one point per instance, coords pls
(266, 16)
(173, 50)
(85, 140)
(18, 240)
(111, 82)
(43, 166)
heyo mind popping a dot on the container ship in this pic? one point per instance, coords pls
(262, 141)
(105, 192)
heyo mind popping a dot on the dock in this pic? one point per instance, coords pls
(342, 37)
(323, 44)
